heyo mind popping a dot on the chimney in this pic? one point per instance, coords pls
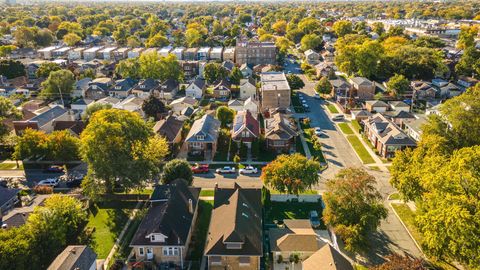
(190, 206)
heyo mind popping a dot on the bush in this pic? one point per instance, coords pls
(175, 169)
(43, 190)
(280, 259)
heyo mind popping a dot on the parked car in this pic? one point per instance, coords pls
(314, 220)
(54, 169)
(248, 170)
(200, 168)
(225, 170)
(318, 131)
(306, 108)
(51, 182)
(316, 96)
(74, 180)
(338, 117)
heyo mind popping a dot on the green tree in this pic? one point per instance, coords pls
(177, 169)
(12, 69)
(31, 144)
(353, 207)
(153, 107)
(398, 85)
(95, 107)
(15, 248)
(469, 63)
(193, 37)
(378, 28)
(63, 146)
(295, 82)
(280, 27)
(214, 72)
(291, 174)
(71, 39)
(46, 68)
(6, 50)
(154, 66)
(127, 142)
(430, 42)
(59, 84)
(311, 41)
(342, 28)
(310, 25)
(128, 68)
(43, 37)
(467, 36)
(24, 36)
(7, 111)
(158, 40)
(323, 87)
(235, 76)
(225, 115)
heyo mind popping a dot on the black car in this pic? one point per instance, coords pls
(74, 183)
(54, 169)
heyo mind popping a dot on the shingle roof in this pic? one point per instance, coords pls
(361, 81)
(279, 127)
(244, 120)
(169, 128)
(49, 115)
(236, 218)
(6, 194)
(297, 236)
(74, 257)
(327, 258)
(387, 132)
(206, 126)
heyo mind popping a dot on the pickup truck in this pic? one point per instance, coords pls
(200, 168)
(248, 170)
(225, 170)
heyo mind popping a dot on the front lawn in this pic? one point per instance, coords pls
(345, 128)
(107, 219)
(360, 149)
(292, 210)
(207, 192)
(332, 108)
(200, 233)
(356, 125)
(408, 217)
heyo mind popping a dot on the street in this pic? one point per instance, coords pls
(211, 179)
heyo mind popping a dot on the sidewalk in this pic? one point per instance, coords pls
(308, 155)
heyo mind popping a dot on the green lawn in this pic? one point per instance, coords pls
(309, 140)
(375, 168)
(200, 234)
(395, 196)
(207, 192)
(356, 125)
(332, 108)
(345, 128)
(408, 217)
(291, 210)
(108, 219)
(360, 149)
(10, 166)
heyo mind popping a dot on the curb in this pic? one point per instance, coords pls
(406, 228)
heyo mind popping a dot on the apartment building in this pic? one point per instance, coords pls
(255, 53)
(274, 91)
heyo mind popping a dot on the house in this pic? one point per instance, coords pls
(121, 53)
(236, 105)
(190, 69)
(165, 51)
(165, 232)
(216, 54)
(280, 133)
(61, 52)
(178, 52)
(111, 101)
(75, 258)
(248, 88)
(190, 54)
(203, 54)
(254, 53)
(386, 136)
(363, 88)
(180, 104)
(327, 258)
(275, 91)
(23, 53)
(251, 105)
(98, 88)
(413, 127)
(145, 87)
(376, 106)
(246, 71)
(196, 89)
(170, 128)
(131, 103)
(399, 106)
(246, 128)
(328, 56)
(312, 57)
(422, 90)
(8, 199)
(466, 82)
(81, 87)
(202, 138)
(44, 121)
(360, 115)
(235, 233)
(296, 238)
(135, 52)
(325, 69)
(80, 105)
(91, 53)
(399, 117)
(167, 89)
(222, 89)
(228, 65)
(229, 54)
(122, 88)
(47, 52)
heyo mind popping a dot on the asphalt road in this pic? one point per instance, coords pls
(211, 179)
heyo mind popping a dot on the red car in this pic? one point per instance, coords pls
(203, 168)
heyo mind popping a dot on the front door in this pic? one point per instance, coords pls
(149, 253)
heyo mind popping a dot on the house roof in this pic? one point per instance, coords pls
(168, 127)
(16, 220)
(279, 127)
(187, 100)
(228, 65)
(376, 103)
(297, 236)
(74, 126)
(74, 257)
(235, 102)
(6, 194)
(223, 85)
(327, 258)
(199, 83)
(48, 115)
(169, 85)
(206, 126)
(249, 80)
(387, 132)
(237, 219)
(245, 120)
(339, 83)
(361, 81)
(123, 84)
(398, 104)
(169, 214)
(358, 113)
(147, 85)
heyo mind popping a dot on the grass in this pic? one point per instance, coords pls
(207, 192)
(408, 217)
(292, 210)
(375, 168)
(332, 108)
(360, 149)
(395, 196)
(200, 234)
(10, 166)
(108, 219)
(345, 128)
(306, 192)
(125, 248)
(356, 125)
(360, 267)
(309, 139)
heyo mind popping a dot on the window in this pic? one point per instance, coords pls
(152, 238)
(200, 137)
(141, 252)
(171, 251)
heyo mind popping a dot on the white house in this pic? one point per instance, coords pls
(236, 105)
(248, 88)
(251, 105)
(131, 103)
(135, 52)
(195, 89)
(246, 70)
(75, 54)
(179, 104)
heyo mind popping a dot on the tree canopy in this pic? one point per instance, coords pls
(177, 169)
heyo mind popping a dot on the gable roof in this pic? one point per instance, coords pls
(249, 80)
(6, 194)
(146, 85)
(168, 85)
(236, 218)
(228, 65)
(376, 103)
(187, 100)
(49, 115)
(169, 127)
(198, 83)
(206, 126)
(279, 127)
(169, 214)
(244, 120)
(387, 132)
(327, 258)
(297, 236)
(361, 81)
(223, 85)
(74, 257)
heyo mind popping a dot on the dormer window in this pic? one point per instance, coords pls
(142, 86)
(152, 238)
(118, 87)
(200, 137)
(94, 86)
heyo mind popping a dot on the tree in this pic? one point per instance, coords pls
(127, 142)
(291, 174)
(311, 41)
(397, 262)
(133, 42)
(323, 87)
(353, 207)
(467, 36)
(95, 107)
(378, 28)
(43, 37)
(225, 115)
(128, 68)
(24, 36)
(158, 40)
(153, 66)
(193, 37)
(280, 27)
(15, 248)
(46, 68)
(310, 25)
(214, 72)
(469, 63)
(342, 28)
(71, 39)
(7, 111)
(430, 42)
(59, 84)
(153, 107)
(398, 85)
(6, 50)
(63, 146)
(235, 76)
(295, 82)
(12, 69)
(177, 169)
(31, 144)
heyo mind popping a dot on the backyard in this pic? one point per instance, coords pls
(107, 220)
(278, 211)
(200, 234)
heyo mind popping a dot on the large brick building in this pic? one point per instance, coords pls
(255, 53)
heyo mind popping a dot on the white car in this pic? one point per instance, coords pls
(318, 132)
(51, 182)
(316, 96)
(248, 170)
(226, 169)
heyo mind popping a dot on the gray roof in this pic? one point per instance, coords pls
(74, 257)
(338, 83)
(376, 103)
(48, 116)
(361, 81)
(199, 83)
(206, 126)
(6, 194)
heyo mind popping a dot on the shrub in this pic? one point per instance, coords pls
(43, 190)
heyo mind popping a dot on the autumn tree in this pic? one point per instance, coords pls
(291, 174)
(353, 207)
(71, 39)
(128, 68)
(398, 85)
(295, 82)
(397, 262)
(214, 72)
(342, 28)
(311, 41)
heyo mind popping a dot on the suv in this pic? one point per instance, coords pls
(338, 117)
(314, 220)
